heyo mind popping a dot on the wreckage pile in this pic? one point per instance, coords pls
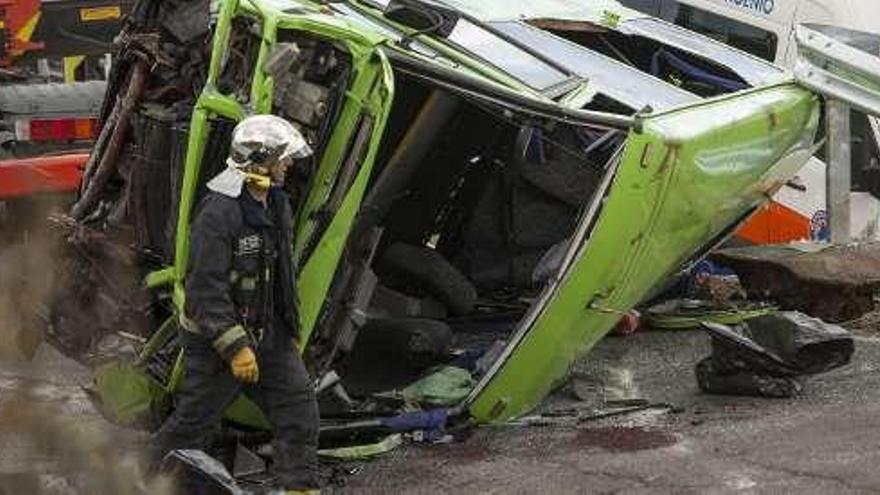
(428, 260)
(768, 348)
(160, 66)
(122, 225)
(770, 355)
(447, 168)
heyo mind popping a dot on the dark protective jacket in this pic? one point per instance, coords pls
(240, 283)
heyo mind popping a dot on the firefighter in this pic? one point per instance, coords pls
(240, 321)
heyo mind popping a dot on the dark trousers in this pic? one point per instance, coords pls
(284, 393)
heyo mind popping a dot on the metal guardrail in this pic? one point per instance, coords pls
(831, 62)
(834, 62)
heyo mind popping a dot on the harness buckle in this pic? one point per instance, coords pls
(256, 335)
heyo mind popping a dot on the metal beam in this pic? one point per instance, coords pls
(838, 180)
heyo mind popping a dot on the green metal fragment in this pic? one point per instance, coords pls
(446, 387)
(359, 452)
(674, 316)
(129, 397)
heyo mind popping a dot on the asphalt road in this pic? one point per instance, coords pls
(825, 441)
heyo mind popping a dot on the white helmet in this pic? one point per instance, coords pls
(262, 138)
(256, 142)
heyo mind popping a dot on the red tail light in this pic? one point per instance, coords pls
(75, 129)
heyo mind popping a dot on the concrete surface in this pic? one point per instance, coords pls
(823, 442)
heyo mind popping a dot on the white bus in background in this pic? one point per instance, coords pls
(765, 28)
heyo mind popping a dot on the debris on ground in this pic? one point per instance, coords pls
(690, 313)
(445, 387)
(366, 451)
(629, 323)
(867, 324)
(200, 472)
(130, 397)
(769, 356)
(575, 416)
(834, 283)
(714, 282)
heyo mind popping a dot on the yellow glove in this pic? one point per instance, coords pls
(244, 366)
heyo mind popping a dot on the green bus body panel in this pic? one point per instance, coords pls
(317, 274)
(686, 178)
(370, 93)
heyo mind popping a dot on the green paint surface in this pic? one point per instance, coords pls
(688, 176)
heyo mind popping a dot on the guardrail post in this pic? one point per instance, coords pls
(838, 181)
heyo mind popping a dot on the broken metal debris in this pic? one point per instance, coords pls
(445, 387)
(771, 355)
(721, 379)
(200, 473)
(93, 184)
(574, 416)
(690, 313)
(430, 423)
(358, 452)
(121, 226)
(146, 408)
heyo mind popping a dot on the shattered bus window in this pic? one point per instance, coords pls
(600, 69)
(698, 75)
(524, 66)
(241, 57)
